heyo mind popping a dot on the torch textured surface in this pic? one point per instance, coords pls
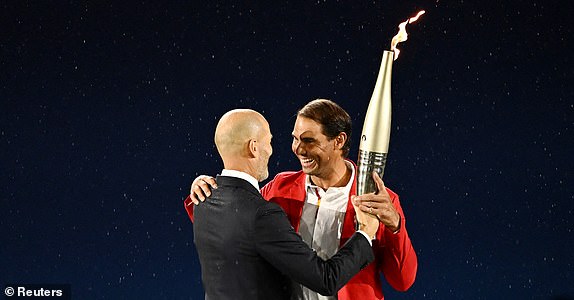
(368, 162)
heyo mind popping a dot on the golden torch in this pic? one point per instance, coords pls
(374, 145)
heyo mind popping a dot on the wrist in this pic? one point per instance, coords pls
(397, 228)
(369, 230)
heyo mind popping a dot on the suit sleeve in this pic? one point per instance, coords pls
(395, 252)
(279, 244)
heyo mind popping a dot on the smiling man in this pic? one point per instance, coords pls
(317, 200)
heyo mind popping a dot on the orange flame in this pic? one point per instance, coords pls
(402, 35)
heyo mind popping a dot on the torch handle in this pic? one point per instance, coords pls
(368, 162)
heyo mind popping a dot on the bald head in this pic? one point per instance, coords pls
(243, 140)
(236, 128)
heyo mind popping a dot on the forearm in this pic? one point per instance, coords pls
(281, 246)
(328, 276)
(399, 260)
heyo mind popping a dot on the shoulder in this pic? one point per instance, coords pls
(265, 208)
(288, 176)
(284, 184)
(237, 192)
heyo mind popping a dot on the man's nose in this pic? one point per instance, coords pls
(299, 149)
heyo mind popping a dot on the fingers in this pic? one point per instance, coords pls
(205, 189)
(194, 195)
(374, 199)
(209, 180)
(366, 206)
(378, 182)
(362, 216)
(378, 206)
(358, 205)
(370, 209)
(193, 199)
(367, 222)
(201, 188)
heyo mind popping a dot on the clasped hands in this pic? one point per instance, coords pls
(379, 205)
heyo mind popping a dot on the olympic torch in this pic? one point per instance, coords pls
(376, 133)
(375, 137)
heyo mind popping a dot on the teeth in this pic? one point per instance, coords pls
(307, 160)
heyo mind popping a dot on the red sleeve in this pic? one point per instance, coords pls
(189, 207)
(266, 189)
(399, 260)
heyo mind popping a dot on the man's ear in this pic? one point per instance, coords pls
(252, 150)
(340, 140)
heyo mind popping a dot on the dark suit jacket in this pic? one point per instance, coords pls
(248, 249)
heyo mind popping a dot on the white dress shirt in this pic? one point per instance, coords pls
(322, 222)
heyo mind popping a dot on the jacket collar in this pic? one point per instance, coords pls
(237, 182)
(242, 175)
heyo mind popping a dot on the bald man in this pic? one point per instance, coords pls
(246, 246)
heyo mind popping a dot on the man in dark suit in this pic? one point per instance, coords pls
(247, 247)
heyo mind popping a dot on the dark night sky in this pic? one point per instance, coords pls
(107, 112)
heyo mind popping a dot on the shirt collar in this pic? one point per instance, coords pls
(241, 175)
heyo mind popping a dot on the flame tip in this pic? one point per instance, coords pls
(402, 35)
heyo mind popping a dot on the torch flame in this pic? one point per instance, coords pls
(402, 35)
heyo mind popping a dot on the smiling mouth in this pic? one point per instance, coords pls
(307, 162)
